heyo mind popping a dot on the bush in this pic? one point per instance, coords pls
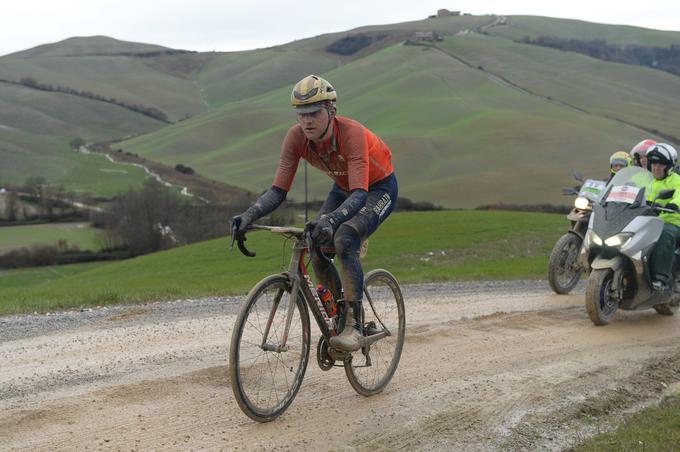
(155, 218)
(353, 43)
(184, 169)
(665, 59)
(544, 208)
(404, 204)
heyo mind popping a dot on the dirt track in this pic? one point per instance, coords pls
(505, 366)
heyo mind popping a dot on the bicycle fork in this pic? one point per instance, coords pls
(283, 346)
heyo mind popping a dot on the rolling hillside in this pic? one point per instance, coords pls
(477, 118)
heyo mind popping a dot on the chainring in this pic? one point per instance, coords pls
(323, 358)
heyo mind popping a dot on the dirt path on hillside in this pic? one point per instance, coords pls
(502, 367)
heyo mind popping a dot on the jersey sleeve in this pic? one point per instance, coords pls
(291, 150)
(357, 158)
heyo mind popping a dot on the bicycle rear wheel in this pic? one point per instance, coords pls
(371, 369)
(266, 374)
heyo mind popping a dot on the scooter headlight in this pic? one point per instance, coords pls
(581, 203)
(619, 240)
(593, 239)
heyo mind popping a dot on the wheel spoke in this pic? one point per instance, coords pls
(385, 310)
(265, 381)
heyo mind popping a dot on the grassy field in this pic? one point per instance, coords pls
(416, 247)
(636, 94)
(652, 429)
(36, 128)
(36, 276)
(534, 26)
(75, 234)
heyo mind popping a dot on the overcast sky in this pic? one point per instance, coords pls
(225, 25)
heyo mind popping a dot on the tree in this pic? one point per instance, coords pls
(76, 143)
(11, 204)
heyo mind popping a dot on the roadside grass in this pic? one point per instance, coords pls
(655, 428)
(79, 234)
(26, 277)
(415, 246)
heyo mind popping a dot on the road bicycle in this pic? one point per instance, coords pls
(270, 342)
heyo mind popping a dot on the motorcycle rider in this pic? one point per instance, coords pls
(618, 161)
(661, 160)
(639, 152)
(363, 195)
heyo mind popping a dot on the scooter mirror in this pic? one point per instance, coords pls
(666, 194)
(578, 176)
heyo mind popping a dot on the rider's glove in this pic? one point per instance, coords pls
(321, 230)
(241, 222)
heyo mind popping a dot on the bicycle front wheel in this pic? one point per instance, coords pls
(267, 359)
(372, 368)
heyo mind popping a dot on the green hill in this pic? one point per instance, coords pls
(475, 119)
(37, 126)
(459, 138)
(534, 26)
(91, 45)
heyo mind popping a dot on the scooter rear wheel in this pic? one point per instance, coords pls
(600, 303)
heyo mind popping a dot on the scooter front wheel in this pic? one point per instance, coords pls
(600, 302)
(564, 270)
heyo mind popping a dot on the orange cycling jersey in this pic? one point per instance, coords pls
(354, 157)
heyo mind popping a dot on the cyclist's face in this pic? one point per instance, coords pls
(313, 124)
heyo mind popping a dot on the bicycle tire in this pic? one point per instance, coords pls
(386, 307)
(260, 378)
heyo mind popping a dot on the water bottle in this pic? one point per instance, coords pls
(327, 299)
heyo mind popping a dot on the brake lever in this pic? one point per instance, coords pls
(315, 248)
(240, 238)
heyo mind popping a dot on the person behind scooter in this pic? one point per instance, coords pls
(661, 159)
(639, 152)
(618, 161)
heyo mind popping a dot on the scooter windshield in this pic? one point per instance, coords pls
(623, 199)
(633, 176)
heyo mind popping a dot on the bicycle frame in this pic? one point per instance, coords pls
(301, 285)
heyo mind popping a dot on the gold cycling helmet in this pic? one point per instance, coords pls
(621, 158)
(311, 94)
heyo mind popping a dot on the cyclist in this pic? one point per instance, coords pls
(363, 194)
(639, 152)
(661, 159)
(618, 161)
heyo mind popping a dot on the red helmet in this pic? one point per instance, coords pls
(641, 149)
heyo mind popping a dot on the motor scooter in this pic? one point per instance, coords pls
(617, 248)
(564, 268)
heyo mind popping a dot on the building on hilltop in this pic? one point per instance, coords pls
(424, 36)
(446, 13)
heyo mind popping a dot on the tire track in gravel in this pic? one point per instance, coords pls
(484, 366)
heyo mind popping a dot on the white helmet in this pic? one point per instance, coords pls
(641, 149)
(664, 154)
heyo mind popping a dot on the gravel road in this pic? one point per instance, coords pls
(498, 365)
